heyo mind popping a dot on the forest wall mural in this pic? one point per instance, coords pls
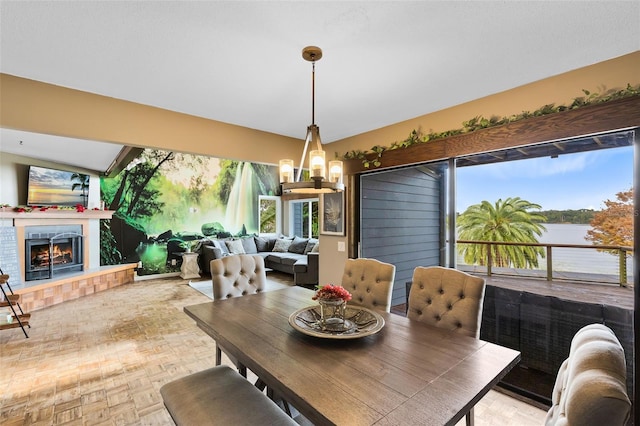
(164, 202)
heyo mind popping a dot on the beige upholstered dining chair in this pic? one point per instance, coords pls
(370, 282)
(591, 386)
(236, 276)
(447, 298)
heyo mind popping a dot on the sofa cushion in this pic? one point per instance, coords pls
(300, 268)
(211, 252)
(235, 247)
(264, 243)
(221, 245)
(298, 245)
(312, 242)
(249, 245)
(207, 254)
(316, 248)
(282, 245)
(288, 259)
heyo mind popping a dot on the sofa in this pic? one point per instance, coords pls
(292, 255)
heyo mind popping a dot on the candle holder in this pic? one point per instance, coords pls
(332, 314)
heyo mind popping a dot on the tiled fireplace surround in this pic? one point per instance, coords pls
(43, 293)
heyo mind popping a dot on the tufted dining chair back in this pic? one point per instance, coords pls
(590, 387)
(370, 282)
(447, 298)
(237, 275)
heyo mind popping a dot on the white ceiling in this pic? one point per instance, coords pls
(240, 61)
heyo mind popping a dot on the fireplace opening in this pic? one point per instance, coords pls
(58, 253)
(53, 256)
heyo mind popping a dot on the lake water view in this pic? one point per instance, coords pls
(580, 260)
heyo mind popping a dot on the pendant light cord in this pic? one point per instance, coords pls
(313, 92)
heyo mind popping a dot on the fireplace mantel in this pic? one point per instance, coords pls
(88, 219)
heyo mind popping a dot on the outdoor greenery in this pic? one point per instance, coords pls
(614, 225)
(582, 216)
(267, 216)
(480, 122)
(511, 220)
(516, 220)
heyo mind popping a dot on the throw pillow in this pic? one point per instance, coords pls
(316, 248)
(312, 242)
(235, 247)
(272, 242)
(282, 245)
(249, 245)
(262, 244)
(222, 246)
(298, 245)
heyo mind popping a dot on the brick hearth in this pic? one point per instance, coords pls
(75, 286)
(36, 295)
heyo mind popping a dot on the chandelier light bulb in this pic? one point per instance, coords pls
(335, 171)
(317, 164)
(286, 171)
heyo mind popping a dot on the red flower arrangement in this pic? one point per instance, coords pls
(331, 291)
(27, 209)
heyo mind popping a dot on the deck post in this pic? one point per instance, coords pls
(622, 256)
(549, 264)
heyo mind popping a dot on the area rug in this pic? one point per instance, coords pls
(206, 287)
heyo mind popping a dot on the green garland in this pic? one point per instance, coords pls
(479, 122)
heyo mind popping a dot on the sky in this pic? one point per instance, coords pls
(569, 182)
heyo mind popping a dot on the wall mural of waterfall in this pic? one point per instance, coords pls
(166, 201)
(242, 206)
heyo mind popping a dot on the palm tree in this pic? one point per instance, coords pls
(510, 220)
(82, 182)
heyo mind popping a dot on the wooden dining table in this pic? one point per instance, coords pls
(406, 373)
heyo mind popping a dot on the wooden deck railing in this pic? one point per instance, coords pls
(622, 251)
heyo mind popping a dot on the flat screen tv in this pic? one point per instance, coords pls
(51, 187)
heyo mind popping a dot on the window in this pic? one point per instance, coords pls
(304, 218)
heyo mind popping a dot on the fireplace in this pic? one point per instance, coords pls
(52, 251)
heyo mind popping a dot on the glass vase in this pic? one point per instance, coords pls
(332, 314)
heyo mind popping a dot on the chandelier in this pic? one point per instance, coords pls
(317, 164)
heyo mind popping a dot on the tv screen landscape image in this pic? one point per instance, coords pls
(51, 187)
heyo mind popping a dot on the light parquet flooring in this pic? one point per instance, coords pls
(101, 360)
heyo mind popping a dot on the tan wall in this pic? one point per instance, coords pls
(44, 108)
(331, 259)
(561, 89)
(14, 172)
(39, 107)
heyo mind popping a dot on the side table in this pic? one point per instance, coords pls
(190, 268)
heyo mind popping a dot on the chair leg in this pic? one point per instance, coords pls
(241, 368)
(470, 417)
(218, 355)
(271, 394)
